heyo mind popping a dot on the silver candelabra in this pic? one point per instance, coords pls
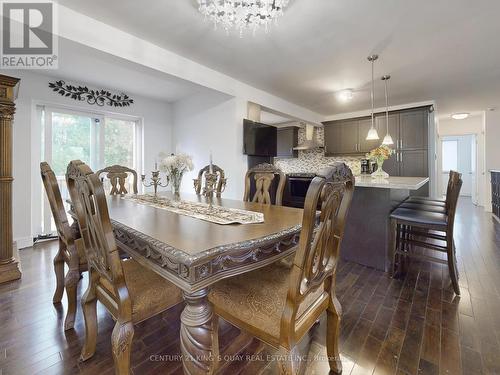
(155, 181)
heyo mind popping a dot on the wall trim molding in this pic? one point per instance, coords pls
(23, 242)
(367, 112)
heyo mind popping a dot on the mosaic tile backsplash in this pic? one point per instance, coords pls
(312, 161)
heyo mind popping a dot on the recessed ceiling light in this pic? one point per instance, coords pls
(345, 95)
(459, 116)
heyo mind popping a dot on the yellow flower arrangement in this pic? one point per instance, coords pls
(380, 153)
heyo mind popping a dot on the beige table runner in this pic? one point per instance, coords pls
(198, 210)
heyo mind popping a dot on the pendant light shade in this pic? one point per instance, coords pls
(372, 133)
(387, 139)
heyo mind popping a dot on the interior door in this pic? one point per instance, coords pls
(473, 173)
(457, 155)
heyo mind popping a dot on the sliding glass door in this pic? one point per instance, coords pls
(96, 139)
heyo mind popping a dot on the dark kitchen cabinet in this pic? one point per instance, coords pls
(413, 129)
(341, 137)
(391, 165)
(408, 128)
(287, 140)
(495, 193)
(413, 163)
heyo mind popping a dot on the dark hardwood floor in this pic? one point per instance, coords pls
(414, 325)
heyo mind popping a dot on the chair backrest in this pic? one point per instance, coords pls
(261, 178)
(314, 266)
(455, 185)
(448, 187)
(117, 175)
(89, 201)
(56, 203)
(221, 179)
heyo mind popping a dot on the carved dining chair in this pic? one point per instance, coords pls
(426, 228)
(280, 303)
(259, 181)
(130, 292)
(70, 250)
(118, 175)
(220, 183)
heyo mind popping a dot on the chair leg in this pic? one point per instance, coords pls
(121, 343)
(89, 308)
(71, 285)
(452, 265)
(288, 361)
(59, 271)
(333, 317)
(407, 248)
(393, 243)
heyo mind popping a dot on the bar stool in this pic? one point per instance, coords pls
(428, 201)
(430, 204)
(423, 227)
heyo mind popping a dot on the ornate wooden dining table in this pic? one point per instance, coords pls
(194, 254)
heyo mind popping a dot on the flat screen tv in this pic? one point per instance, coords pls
(259, 139)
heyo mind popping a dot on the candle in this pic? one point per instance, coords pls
(211, 170)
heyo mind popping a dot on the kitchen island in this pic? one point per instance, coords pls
(366, 234)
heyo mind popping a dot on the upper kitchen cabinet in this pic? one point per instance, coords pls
(413, 129)
(287, 140)
(341, 137)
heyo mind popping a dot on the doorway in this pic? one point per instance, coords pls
(459, 153)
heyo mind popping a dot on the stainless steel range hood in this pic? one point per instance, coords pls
(310, 143)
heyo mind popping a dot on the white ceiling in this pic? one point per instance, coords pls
(83, 64)
(442, 50)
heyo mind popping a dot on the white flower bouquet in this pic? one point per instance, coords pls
(174, 166)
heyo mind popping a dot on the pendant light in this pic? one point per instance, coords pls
(387, 139)
(372, 133)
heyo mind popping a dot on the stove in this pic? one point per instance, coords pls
(305, 175)
(296, 188)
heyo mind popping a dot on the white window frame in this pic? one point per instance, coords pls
(40, 207)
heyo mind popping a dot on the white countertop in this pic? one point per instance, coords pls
(407, 183)
(495, 170)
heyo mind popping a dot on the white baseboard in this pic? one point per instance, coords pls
(23, 242)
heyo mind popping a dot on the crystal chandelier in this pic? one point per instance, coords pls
(242, 14)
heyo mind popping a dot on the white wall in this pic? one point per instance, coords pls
(157, 135)
(212, 122)
(492, 136)
(470, 125)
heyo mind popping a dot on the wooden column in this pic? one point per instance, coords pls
(9, 265)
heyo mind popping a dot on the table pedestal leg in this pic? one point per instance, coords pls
(199, 336)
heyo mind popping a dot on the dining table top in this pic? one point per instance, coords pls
(188, 239)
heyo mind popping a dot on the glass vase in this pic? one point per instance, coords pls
(380, 173)
(175, 181)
